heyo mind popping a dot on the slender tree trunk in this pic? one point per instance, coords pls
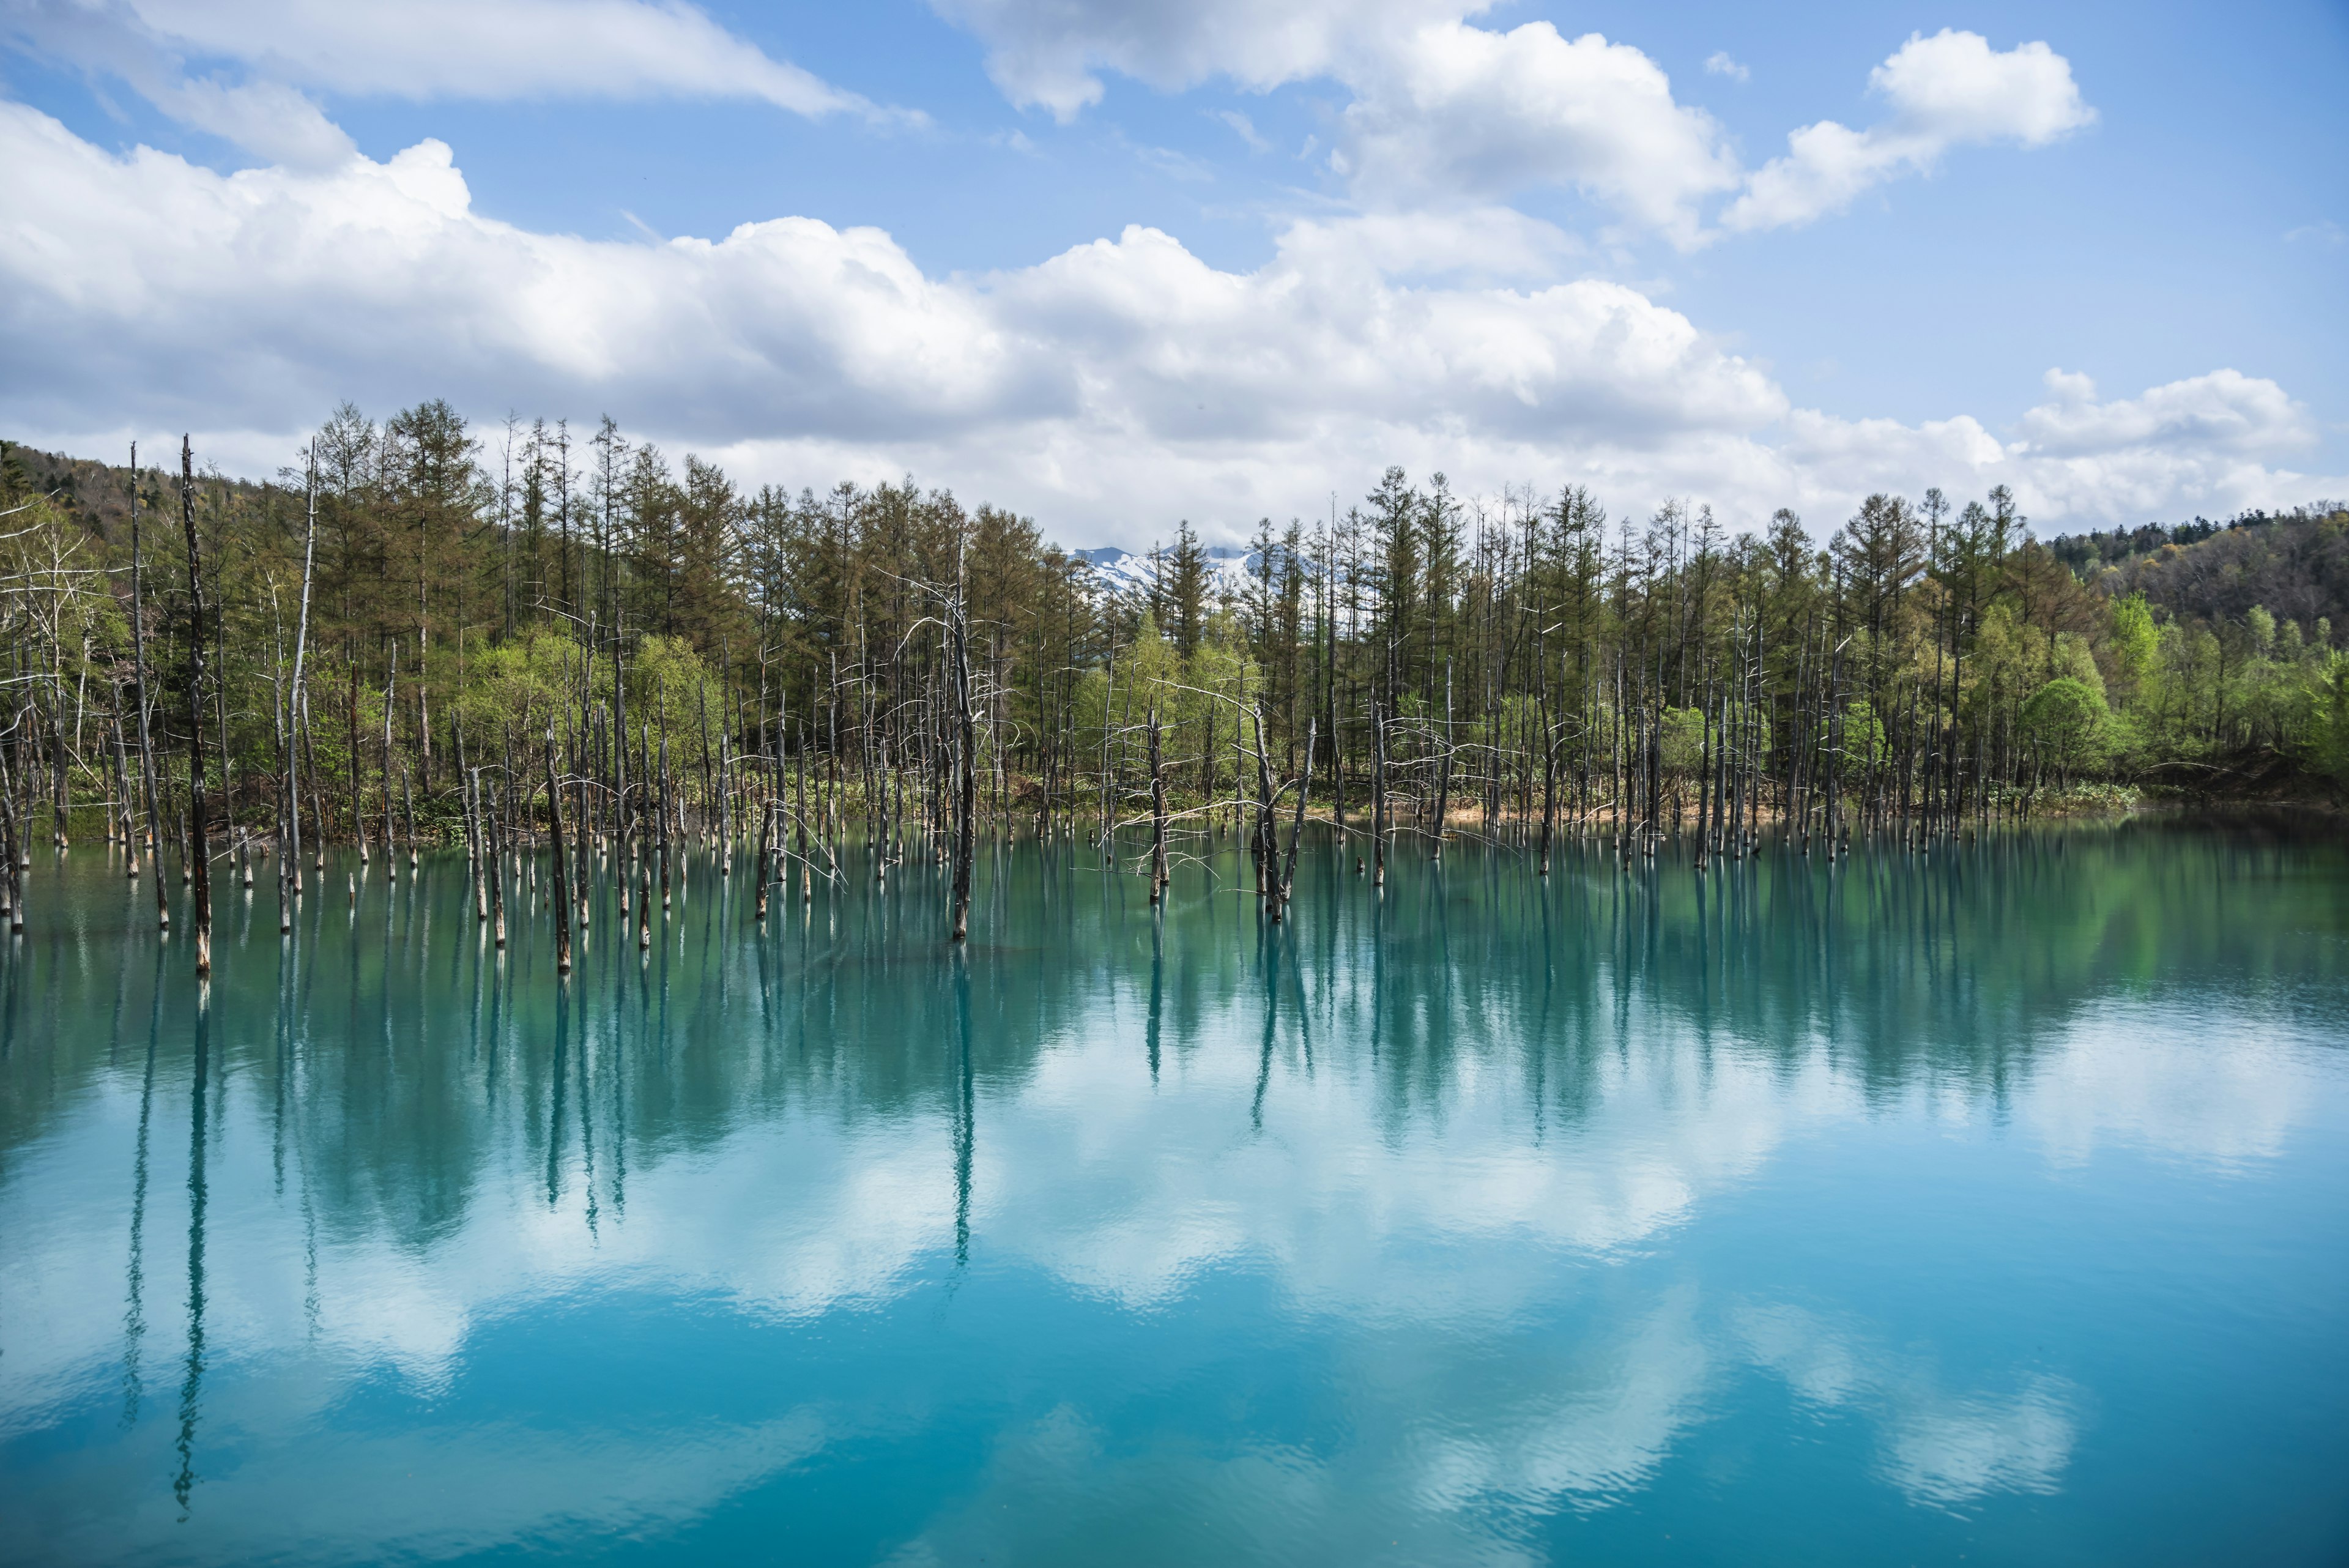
(197, 801)
(1296, 823)
(1266, 861)
(146, 744)
(493, 829)
(1444, 777)
(291, 873)
(1157, 812)
(766, 849)
(12, 875)
(667, 806)
(967, 785)
(560, 852)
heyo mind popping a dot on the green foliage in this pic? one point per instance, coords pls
(2326, 739)
(2134, 640)
(2066, 720)
(1683, 738)
(1197, 700)
(1864, 743)
(516, 687)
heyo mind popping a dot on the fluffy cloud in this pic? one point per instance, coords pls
(1946, 91)
(291, 288)
(1442, 110)
(2204, 443)
(1461, 110)
(1441, 113)
(2224, 413)
(2216, 436)
(142, 291)
(287, 283)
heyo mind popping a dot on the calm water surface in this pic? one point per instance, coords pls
(1988, 1208)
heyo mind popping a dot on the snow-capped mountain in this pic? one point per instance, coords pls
(1230, 569)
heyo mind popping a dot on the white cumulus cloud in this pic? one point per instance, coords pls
(1106, 390)
(1949, 91)
(1462, 110)
(2223, 412)
(1443, 111)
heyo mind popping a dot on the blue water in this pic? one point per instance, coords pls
(1985, 1207)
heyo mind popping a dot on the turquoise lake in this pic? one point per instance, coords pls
(1986, 1206)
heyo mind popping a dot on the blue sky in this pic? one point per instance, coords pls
(1500, 279)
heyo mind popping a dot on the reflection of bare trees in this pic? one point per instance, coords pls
(402, 1056)
(192, 1384)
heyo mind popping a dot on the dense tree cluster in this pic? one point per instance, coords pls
(393, 627)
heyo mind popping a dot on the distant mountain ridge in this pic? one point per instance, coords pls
(1230, 569)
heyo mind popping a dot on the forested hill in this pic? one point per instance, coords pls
(2294, 565)
(95, 491)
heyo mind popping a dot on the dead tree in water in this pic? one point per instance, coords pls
(554, 842)
(1443, 779)
(667, 891)
(1157, 813)
(11, 876)
(495, 856)
(289, 872)
(469, 780)
(1263, 846)
(967, 785)
(1296, 823)
(799, 821)
(586, 863)
(766, 855)
(196, 801)
(146, 741)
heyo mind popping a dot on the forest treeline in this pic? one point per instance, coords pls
(378, 641)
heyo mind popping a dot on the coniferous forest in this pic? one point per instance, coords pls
(419, 633)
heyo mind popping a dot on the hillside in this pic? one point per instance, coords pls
(98, 492)
(2294, 565)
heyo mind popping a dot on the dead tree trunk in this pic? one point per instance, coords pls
(561, 851)
(1157, 812)
(146, 741)
(1266, 869)
(1296, 823)
(967, 785)
(196, 799)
